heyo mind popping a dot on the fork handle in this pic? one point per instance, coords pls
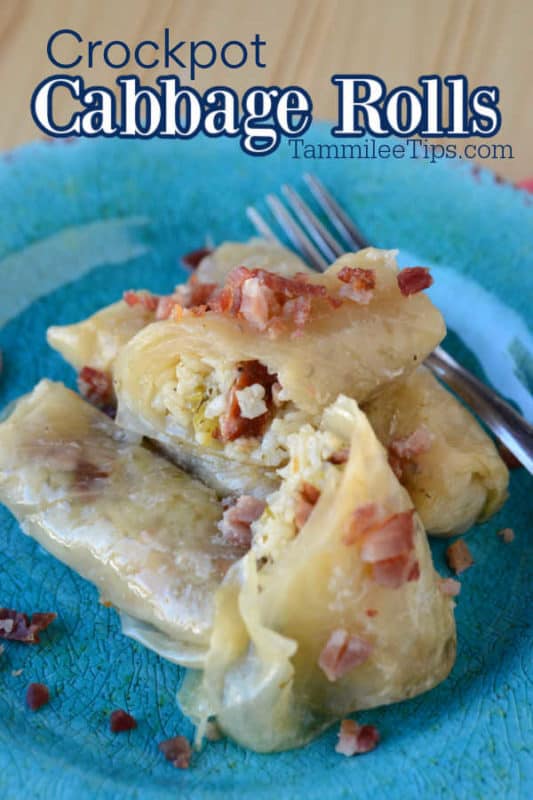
(507, 424)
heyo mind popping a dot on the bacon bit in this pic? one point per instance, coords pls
(355, 739)
(17, 627)
(449, 586)
(340, 456)
(178, 751)
(231, 425)
(341, 653)
(458, 556)
(394, 537)
(145, 299)
(387, 544)
(269, 301)
(507, 535)
(508, 458)
(165, 307)
(120, 721)
(394, 572)
(195, 295)
(372, 612)
(96, 386)
(405, 450)
(362, 520)
(195, 257)
(360, 284)
(37, 695)
(88, 476)
(412, 280)
(235, 525)
(307, 499)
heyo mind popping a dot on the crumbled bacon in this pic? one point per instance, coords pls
(165, 307)
(341, 653)
(96, 386)
(231, 424)
(355, 739)
(449, 587)
(507, 535)
(360, 284)
(195, 257)
(371, 612)
(120, 721)
(37, 695)
(387, 544)
(458, 556)
(18, 627)
(412, 280)
(268, 301)
(235, 525)
(178, 751)
(404, 451)
(88, 477)
(340, 456)
(308, 496)
(195, 295)
(145, 299)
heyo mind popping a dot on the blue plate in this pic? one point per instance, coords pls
(80, 223)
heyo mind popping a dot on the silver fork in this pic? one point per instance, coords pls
(319, 247)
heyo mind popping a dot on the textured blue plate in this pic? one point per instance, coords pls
(82, 222)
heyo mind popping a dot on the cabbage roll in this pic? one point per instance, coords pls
(337, 606)
(96, 341)
(443, 457)
(221, 386)
(141, 530)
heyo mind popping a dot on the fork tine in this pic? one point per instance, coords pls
(335, 214)
(299, 239)
(261, 226)
(327, 244)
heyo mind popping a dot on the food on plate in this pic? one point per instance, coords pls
(330, 613)
(443, 457)
(120, 515)
(222, 385)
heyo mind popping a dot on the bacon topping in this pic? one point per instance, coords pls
(178, 751)
(360, 284)
(387, 544)
(341, 653)
(405, 450)
(18, 627)
(37, 695)
(235, 525)
(195, 257)
(340, 456)
(458, 556)
(145, 299)
(412, 280)
(231, 424)
(507, 535)
(268, 301)
(449, 586)
(355, 739)
(96, 386)
(120, 721)
(307, 499)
